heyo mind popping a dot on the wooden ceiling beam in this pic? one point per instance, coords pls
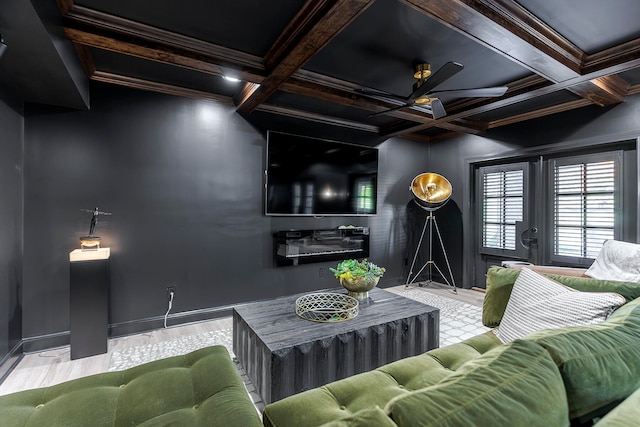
(634, 89)
(510, 30)
(86, 59)
(311, 30)
(518, 87)
(472, 126)
(432, 138)
(351, 99)
(306, 18)
(132, 82)
(599, 91)
(517, 34)
(104, 31)
(613, 58)
(420, 137)
(81, 17)
(90, 28)
(315, 117)
(397, 129)
(539, 113)
(152, 53)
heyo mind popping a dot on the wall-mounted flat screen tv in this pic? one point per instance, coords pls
(318, 177)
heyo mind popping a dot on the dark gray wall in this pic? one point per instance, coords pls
(11, 125)
(184, 181)
(573, 131)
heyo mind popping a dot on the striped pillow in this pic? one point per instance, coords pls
(538, 302)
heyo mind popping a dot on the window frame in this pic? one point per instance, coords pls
(519, 251)
(617, 157)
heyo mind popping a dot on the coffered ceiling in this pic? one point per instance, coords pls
(308, 59)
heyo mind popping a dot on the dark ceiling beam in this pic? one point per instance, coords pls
(84, 17)
(158, 54)
(247, 90)
(519, 90)
(634, 89)
(421, 137)
(518, 87)
(315, 26)
(398, 129)
(603, 91)
(86, 59)
(307, 83)
(349, 98)
(92, 28)
(308, 16)
(514, 32)
(579, 103)
(507, 28)
(64, 6)
(104, 31)
(121, 80)
(472, 126)
(132, 82)
(612, 58)
(431, 138)
(315, 117)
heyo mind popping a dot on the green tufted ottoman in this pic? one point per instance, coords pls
(202, 388)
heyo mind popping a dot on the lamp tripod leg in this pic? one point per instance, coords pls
(415, 256)
(431, 221)
(451, 284)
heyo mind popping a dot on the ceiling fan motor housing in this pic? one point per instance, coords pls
(421, 72)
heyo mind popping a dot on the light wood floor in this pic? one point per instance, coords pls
(51, 367)
(469, 296)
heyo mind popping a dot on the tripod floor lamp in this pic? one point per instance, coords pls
(431, 191)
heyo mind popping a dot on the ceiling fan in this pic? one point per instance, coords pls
(424, 96)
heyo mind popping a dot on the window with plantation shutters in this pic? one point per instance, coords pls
(503, 200)
(586, 198)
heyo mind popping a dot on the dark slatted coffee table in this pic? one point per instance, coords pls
(284, 354)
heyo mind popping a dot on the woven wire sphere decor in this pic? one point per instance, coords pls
(327, 307)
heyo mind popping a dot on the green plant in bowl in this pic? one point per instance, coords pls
(358, 277)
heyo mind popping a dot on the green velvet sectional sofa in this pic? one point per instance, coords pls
(559, 377)
(202, 388)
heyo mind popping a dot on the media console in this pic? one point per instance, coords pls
(293, 247)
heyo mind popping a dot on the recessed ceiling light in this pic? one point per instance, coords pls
(231, 79)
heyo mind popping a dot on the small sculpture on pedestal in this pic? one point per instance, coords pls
(91, 242)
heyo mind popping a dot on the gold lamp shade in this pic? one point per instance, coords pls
(430, 190)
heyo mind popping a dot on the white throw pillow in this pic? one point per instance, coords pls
(617, 261)
(537, 302)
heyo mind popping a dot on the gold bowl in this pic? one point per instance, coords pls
(359, 287)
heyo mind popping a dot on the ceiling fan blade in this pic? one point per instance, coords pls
(445, 72)
(379, 113)
(484, 92)
(437, 109)
(381, 94)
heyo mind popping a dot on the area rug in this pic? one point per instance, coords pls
(458, 321)
(133, 356)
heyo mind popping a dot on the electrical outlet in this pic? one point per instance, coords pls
(171, 289)
(321, 272)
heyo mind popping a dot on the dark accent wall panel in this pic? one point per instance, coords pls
(11, 125)
(184, 181)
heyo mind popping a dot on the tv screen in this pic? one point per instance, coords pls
(310, 176)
